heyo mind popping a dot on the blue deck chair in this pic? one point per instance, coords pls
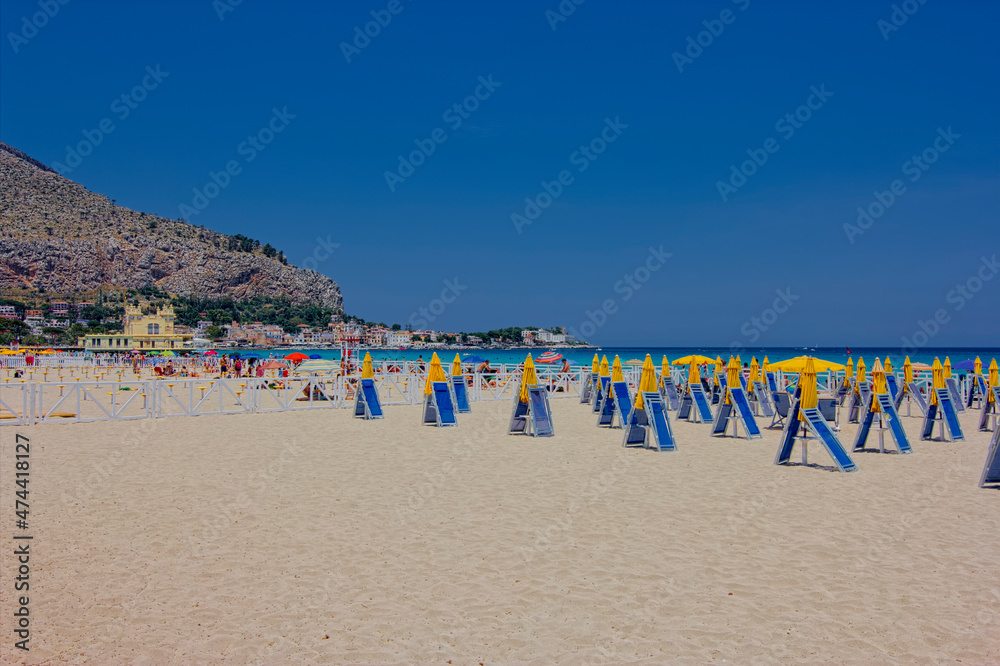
(762, 398)
(991, 470)
(913, 394)
(533, 417)
(782, 405)
(668, 390)
(366, 402)
(989, 409)
(828, 407)
(943, 412)
(956, 395)
(888, 419)
(858, 398)
(649, 427)
(843, 391)
(977, 390)
(890, 381)
(606, 415)
(623, 403)
(702, 412)
(438, 408)
(739, 410)
(816, 424)
(589, 383)
(461, 394)
(600, 393)
(772, 385)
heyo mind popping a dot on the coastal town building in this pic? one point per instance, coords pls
(140, 331)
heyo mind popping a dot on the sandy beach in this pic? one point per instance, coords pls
(314, 537)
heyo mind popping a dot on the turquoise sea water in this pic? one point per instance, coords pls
(584, 356)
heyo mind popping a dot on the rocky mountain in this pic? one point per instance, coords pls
(57, 236)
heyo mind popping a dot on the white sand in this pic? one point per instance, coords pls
(314, 537)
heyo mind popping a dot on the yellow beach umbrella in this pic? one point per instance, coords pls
(664, 369)
(994, 379)
(907, 371)
(719, 366)
(947, 368)
(693, 358)
(937, 372)
(616, 370)
(603, 370)
(528, 378)
(849, 371)
(862, 370)
(888, 366)
(366, 367)
(436, 374)
(879, 386)
(978, 366)
(798, 364)
(456, 366)
(732, 376)
(595, 366)
(754, 370)
(694, 375)
(807, 382)
(647, 381)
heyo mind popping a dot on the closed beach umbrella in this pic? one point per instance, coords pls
(603, 370)
(754, 370)
(978, 367)
(456, 366)
(595, 365)
(994, 379)
(664, 369)
(862, 371)
(616, 370)
(436, 374)
(718, 368)
(849, 373)
(808, 399)
(879, 386)
(366, 367)
(888, 366)
(647, 381)
(732, 376)
(937, 372)
(529, 378)
(907, 371)
(798, 364)
(694, 375)
(947, 368)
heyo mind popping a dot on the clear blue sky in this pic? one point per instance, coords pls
(657, 183)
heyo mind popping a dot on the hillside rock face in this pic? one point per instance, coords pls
(58, 236)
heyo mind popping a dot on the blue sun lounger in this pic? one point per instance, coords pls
(533, 417)
(772, 385)
(623, 403)
(956, 395)
(649, 427)
(944, 412)
(889, 416)
(718, 390)
(977, 390)
(668, 390)
(366, 402)
(438, 408)
(461, 394)
(818, 426)
(606, 414)
(738, 409)
(763, 399)
(601, 390)
(914, 394)
(991, 470)
(989, 409)
(893, 385)
(858, 398)
(695, 404)
(591, 381)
